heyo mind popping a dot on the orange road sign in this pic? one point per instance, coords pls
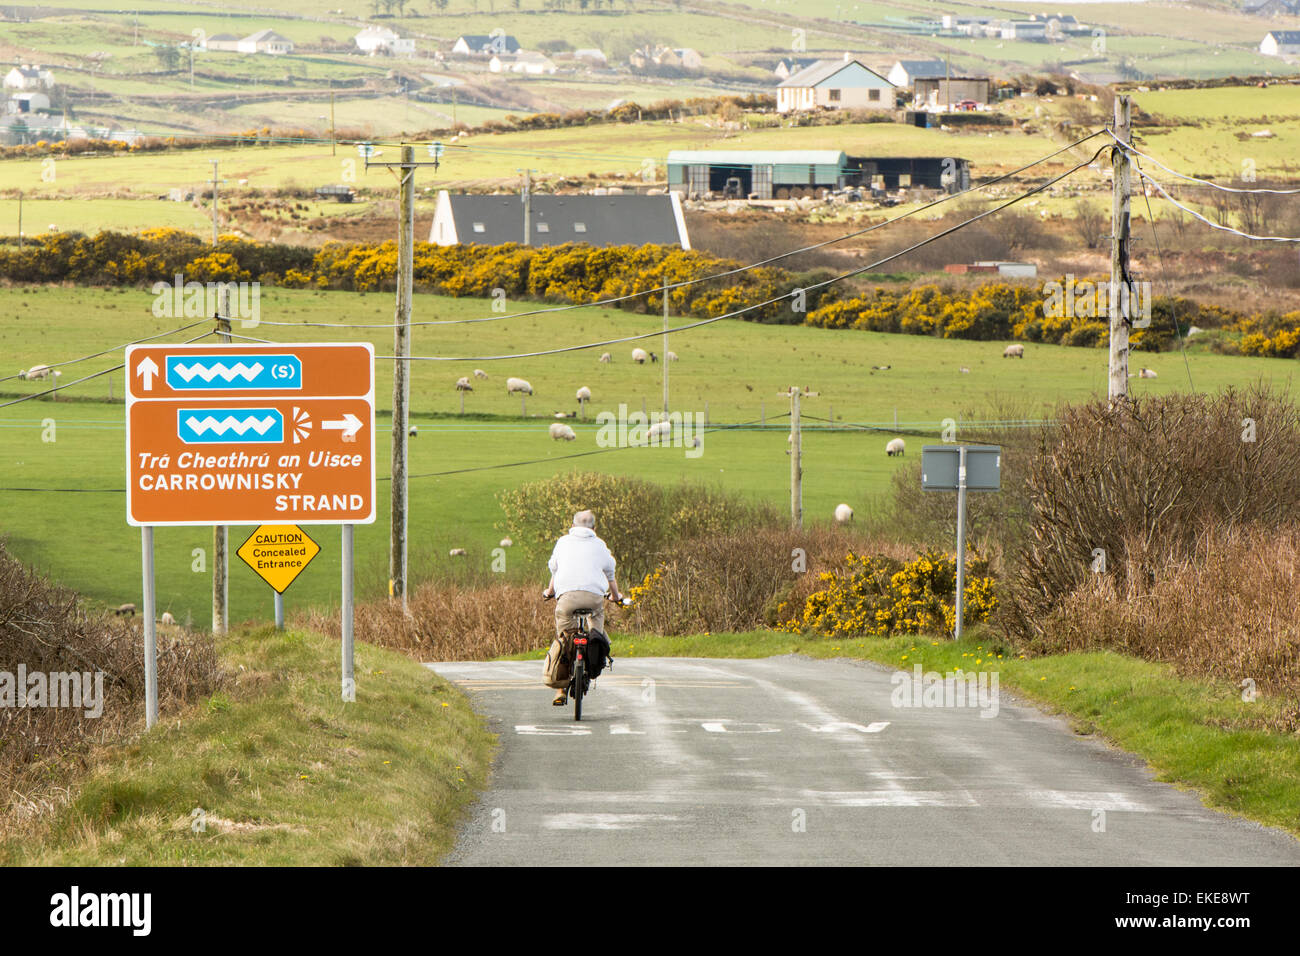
(278, 553)
(250, 434)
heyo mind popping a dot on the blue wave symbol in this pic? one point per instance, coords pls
(228, 426)
(214, 372)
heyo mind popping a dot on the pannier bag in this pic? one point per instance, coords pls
(598, 653)
(556, 673)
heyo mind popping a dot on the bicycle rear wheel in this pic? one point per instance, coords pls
(579, 685)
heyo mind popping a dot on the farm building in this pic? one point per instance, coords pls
(906, 72)
(889, 173)
(1271, 8)
(789, 66)
(553, 220)
(27, 103)
(480, 44)
(222, 43)
(534, 64)
(940, 93)
(836, 85)
(1281, 43)
(768, 174)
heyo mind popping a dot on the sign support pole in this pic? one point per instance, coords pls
(961, 540)
(220, 533)
(349, 679)
(279, 610)
(150, 636)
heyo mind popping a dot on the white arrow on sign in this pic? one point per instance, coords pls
(349, 424)
(147, 369)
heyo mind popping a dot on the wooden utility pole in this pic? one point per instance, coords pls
(527, 199)
(214, 163)
(796, 454)
(220, 533)
(334, 143)
(664, 360)
(397, 570)
(20, 224)
(1120, 303)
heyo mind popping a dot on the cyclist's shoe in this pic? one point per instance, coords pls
(560, 699)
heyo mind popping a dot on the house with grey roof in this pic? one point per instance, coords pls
(835, 85)
(905, 72)
(1281, 43)
(476, 44)
(617, 220)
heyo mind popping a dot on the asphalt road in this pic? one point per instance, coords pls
(790, 761)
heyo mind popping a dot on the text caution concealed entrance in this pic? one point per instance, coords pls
(278, 553)
(250, 434)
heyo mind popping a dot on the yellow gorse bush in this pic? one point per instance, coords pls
(878, 596)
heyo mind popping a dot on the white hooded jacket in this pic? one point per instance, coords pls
(581, 562)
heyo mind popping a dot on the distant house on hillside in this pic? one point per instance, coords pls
(941, 93)
(591, 55)
(554, 220)
(836, 85)
(484, 45)
(377, 40)
(905, 72)
(1032, 30)
(1281, 43)
(30, 102)
(682, 58)
(222, 43)
(534, 64)
(789, 66)
(1271, 8)
(265, 41)
(29, 78)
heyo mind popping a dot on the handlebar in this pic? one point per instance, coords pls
(625, 602)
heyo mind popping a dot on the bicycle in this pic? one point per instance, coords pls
(579, 681)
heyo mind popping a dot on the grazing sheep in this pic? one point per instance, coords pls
(562, 432)
(843, 513)
(584, 394)
(479, 373)
(506, 542)
(125, 610)
(659, 430)
(639, 356)
(965, 370)
(882, 368)
(458, 552)
(463, 385)
(518, 385)
(896, 447)
(1014, 351)
(414, 430)
(167, 620)
(672, 356)
(566, 414)
(37, 372)
(653, 358)
(604, 357)
(1147, 373)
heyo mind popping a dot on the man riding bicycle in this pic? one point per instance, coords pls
(581, 570)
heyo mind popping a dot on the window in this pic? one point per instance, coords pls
(543, 227)
(834, 96)
(873, 95)
(479, 227)
(579, 227)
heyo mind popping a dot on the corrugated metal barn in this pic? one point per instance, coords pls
(767, 174)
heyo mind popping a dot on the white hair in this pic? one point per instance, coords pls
(584, 519)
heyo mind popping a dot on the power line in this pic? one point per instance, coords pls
(87, 378)
(150, 338)
(1209, 222)
(759, 305)
(1164, 272)
(1204, 182)
(714, 276)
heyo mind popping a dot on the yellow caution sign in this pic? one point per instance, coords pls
(278, 552)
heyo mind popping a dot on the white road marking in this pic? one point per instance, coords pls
(737, 727)
(842, 725)
(555, 731)
(625, 729)
(605, 821)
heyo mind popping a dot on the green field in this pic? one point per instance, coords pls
(733, 369)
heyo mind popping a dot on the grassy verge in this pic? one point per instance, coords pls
(1240, 756)
(281, 770)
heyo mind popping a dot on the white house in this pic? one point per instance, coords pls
(470, 44)
(836, 85)
(222, 43)
(374, 40)
(1275, 43)
(905, 72)
(591, 55)
(29, 78)
(534, 64)
(27, 102)
(265, 41)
